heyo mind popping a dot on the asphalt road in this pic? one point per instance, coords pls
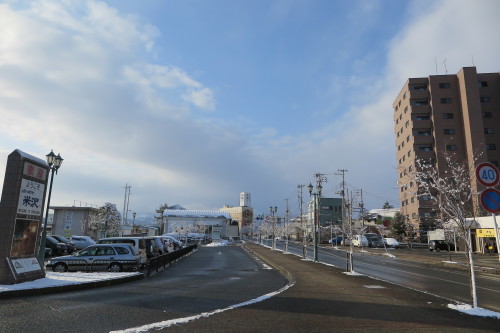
(211, 278)
(448, 282)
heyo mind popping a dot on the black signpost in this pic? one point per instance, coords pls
(21, 211)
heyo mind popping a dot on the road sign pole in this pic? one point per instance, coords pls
(496, 236)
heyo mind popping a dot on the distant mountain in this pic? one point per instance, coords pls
(176, 207)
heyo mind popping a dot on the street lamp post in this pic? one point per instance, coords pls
(54, 163)
(273, 220)
(316, 195)
(133, 222)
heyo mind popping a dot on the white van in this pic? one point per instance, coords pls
(139, 243)
(359, 240)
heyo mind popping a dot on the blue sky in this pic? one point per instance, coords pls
(193, 102)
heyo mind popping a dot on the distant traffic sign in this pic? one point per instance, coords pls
(487, 174)
(490, 199)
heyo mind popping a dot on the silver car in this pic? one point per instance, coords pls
(101, 257)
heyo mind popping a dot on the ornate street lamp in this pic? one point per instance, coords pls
(316, 195)
(54, 163)
(133, 222)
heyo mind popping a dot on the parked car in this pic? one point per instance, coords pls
(336, 241)
(346, 242)
(102, 257)
(359, 240)
(48, 252)
(177, 243)
(82, 241)
(138, 242)
(391, 242)
(58, 248)
(71, 246)
(374, 240)
(438, 245)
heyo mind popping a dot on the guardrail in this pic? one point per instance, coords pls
(93, 266)
(164, 260)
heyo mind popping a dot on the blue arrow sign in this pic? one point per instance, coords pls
(490, 199)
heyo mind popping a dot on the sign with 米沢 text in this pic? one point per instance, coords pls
(30, 198)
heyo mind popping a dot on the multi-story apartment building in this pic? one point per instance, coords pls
(459, 114)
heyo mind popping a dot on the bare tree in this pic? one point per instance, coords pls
(107, 219)
(452, 194)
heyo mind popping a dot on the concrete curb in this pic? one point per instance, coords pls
(288, 276)
(72, 287)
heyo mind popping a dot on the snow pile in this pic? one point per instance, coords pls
(389, 255)
(222, 242)
(353, 273)
(466, 308)
(53, 279)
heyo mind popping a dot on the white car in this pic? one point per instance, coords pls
(82, 241)
(359, 240)
(391, 242)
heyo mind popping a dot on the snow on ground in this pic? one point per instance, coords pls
(353, 273)
(466, 308)
(53, 279)
(218, 243)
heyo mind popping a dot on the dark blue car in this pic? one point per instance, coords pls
(336, 241)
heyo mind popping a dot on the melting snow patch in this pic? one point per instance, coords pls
(466, 308)
(374, 287)
(450, 262)
(219, 243)
(353, 273)
(390, 255)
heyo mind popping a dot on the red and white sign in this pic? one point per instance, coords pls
(487, 174)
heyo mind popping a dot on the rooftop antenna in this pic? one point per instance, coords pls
(473, 64)
(445, 69)
(435, 61)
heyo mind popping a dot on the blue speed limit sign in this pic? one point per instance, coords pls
(487, 174)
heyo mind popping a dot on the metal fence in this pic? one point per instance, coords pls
(97, 265)
(164, 260)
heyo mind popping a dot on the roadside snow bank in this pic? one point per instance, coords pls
(466, 308)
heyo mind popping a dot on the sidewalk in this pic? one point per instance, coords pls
(324, 299)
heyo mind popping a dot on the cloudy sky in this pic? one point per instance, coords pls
(192, 102)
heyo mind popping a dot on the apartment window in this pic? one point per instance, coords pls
(445, 100)
(412, 199)
(426, 198)
(404, 96)
(422, 117)
(482, 84)
(447, 115)
(449, 131)
(401, 176)
(408, 138)
(409, 153)
(491, 146)
(444, 85)
(397, 134)
(406, 109)
(425, 148)
(399, 147)
(484, 99)
(419, 101)
(404, 158)
(402, 144)
(400, 116)
(420, 87)
(487, 115)
(414, 215)
(396, 109)
(397, 121)
(402, 203)
(407, 123)
(451, 147)
(489, 131)
(425, 132)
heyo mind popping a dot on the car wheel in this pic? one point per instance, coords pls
(115, 267)
(60, 267)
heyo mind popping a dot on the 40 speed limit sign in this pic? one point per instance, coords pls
(487, 174)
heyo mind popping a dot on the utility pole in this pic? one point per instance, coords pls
(286, 226)
(342, 192)
(362, 207)
(125, 205)
(304, 233)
